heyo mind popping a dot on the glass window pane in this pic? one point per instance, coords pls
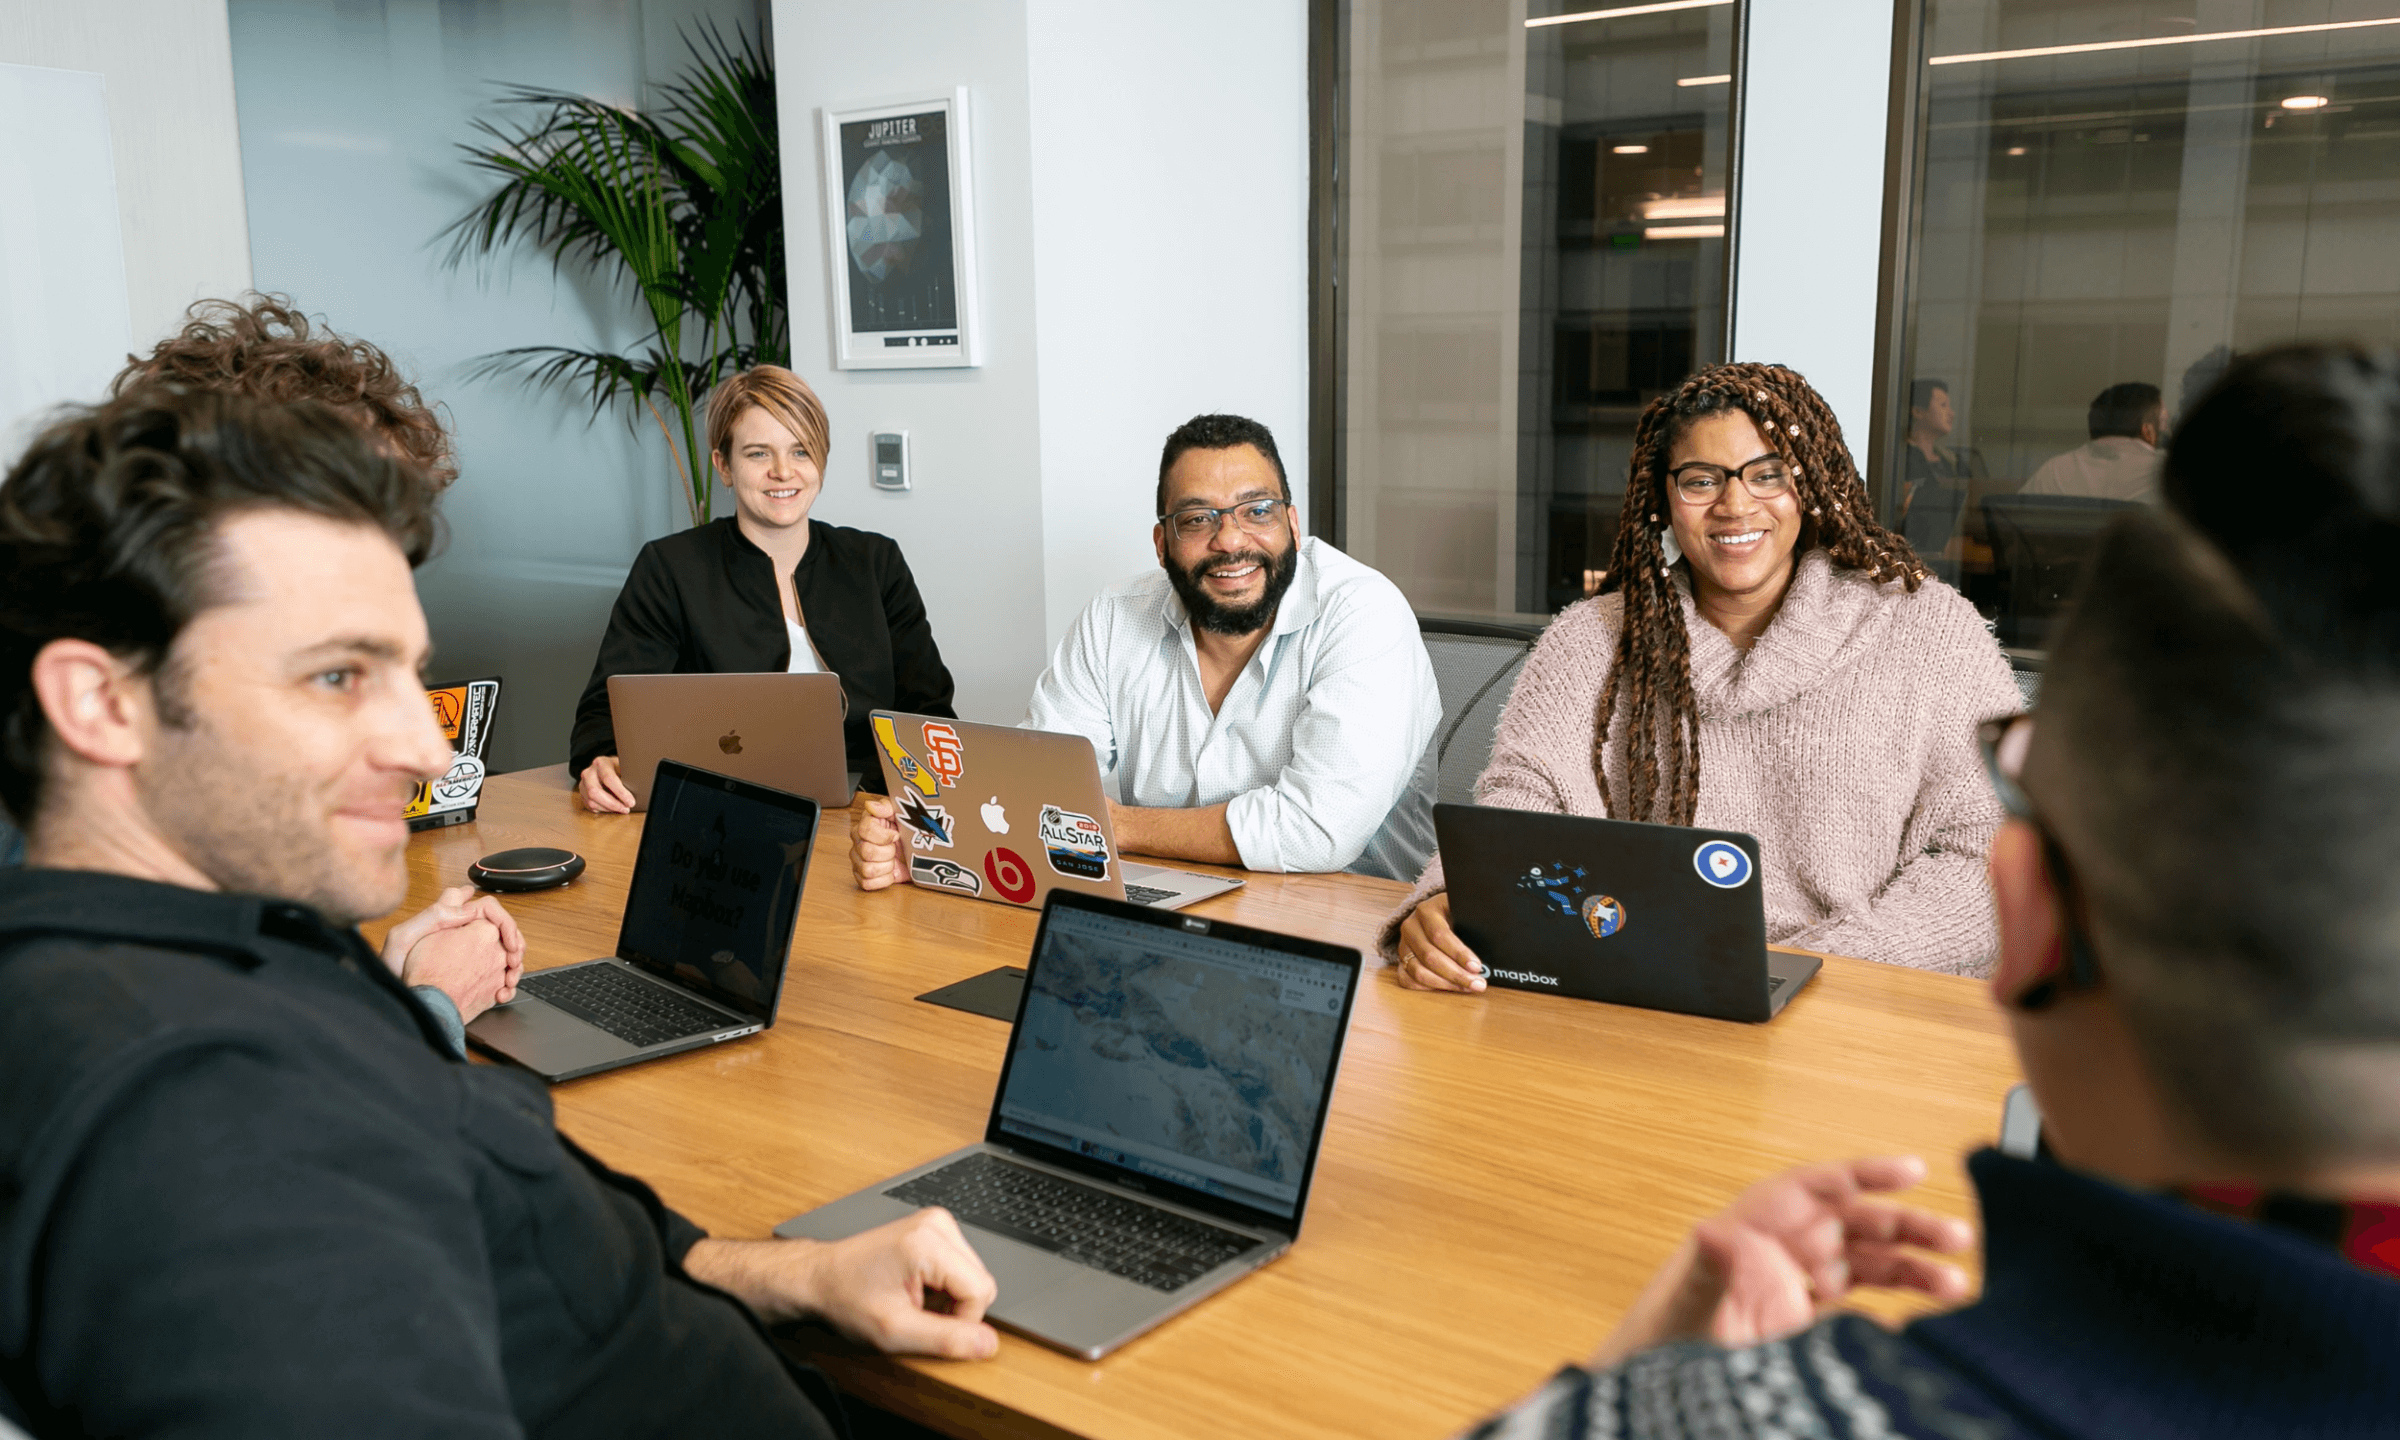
(1534, 248)
(2107, 203)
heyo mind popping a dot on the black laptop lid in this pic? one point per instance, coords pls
(1661, 916)
(1190, 1058)
(716, 887)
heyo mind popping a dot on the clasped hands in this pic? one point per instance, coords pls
(465, 945)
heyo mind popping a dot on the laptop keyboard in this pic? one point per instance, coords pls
(635, 1010)
(1146, 894)
(1089, 1226)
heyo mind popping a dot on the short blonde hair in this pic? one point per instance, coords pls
(778, 392)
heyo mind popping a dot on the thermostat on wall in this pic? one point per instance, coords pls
(890, 459)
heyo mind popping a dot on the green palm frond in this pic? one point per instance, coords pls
(683, 206)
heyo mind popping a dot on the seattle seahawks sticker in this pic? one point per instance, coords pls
(1722, 865)
(943, 874)
(1075, 843)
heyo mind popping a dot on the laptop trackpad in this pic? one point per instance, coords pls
(1024, 1274)
(529, 1027)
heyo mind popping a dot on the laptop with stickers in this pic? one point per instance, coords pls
(999, 813)
(1660, 916)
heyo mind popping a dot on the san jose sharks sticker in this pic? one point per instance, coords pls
(1075, 843)
(929, 826)
(1723, 865)
(943, 874)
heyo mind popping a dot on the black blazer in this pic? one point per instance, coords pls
(703, 603)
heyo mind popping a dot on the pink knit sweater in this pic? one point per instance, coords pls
(1844, 739)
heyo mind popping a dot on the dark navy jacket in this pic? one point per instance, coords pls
(246, 1190)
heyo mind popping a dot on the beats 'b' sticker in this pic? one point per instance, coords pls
(1725, 866)
(1011, 879)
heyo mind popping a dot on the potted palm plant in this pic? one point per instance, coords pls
(683, 203)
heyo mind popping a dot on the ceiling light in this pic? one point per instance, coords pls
(1684, 232)
(2305, 102)
(1629, 150)
(2091, 46)
(1659, 8)
(1688, 81)
(1685, 207)
(2016, 149)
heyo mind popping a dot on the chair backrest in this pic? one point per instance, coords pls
(2040, 543)
(1475, 664)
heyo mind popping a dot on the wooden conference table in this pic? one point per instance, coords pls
(1500, 1175)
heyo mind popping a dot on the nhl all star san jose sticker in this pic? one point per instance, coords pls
(1722, 864)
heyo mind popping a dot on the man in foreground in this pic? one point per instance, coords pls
(1261, 699)
(2200, 961)
(246, 1187)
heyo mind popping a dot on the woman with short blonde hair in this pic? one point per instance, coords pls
(766, 588)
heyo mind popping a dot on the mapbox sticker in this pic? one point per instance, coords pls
(1011, 879)
(943, 874)
(1725, 866)
(1075, 844)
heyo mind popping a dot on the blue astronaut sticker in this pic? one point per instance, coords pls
(1722, 865)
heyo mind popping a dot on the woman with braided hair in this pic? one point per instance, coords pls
(1763, 657)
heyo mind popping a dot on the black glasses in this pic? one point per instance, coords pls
(1700, 483)
(2004, 743)
(1197, 522)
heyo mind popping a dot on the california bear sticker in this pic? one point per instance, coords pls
(943, 874)
(910, 771)
(1075, 843)
(1725, 866)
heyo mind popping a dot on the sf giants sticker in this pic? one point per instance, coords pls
(1075, 844)
(906, 764)
(929, 826)
(943, 874)
(944, 755)
(1011, 879)
(1725, 866)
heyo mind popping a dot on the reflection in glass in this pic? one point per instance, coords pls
(2107, 204)
(1535, 247)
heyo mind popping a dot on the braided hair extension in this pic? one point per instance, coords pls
(1650, 679)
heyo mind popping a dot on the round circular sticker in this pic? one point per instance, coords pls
(1010, 878)
(1604, 915)
(1725, 866)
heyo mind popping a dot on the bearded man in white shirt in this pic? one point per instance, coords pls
(1261, 699)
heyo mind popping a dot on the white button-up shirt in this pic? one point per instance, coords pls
(1323, 751)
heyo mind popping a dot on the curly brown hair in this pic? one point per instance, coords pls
(1650, 680)
(264, 347)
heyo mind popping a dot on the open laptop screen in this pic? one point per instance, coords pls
(717, 886)
(1198, 1059)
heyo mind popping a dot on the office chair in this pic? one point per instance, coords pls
(1475, 665)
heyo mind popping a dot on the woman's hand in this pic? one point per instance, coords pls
(1432, 957)
(604, 790)
(875, 859)
(1789, 1248)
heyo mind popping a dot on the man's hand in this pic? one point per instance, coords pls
(477, 968)
(1431, 956)
(1789, 1248)
(875, 849)
(1172, 833)
(912, 1287)
(603, 789)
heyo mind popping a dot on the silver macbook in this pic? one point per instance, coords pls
(1001, 813)
(771, 728)
(701, 951)
(1156, 1126)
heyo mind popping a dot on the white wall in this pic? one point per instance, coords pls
(1170, 199)
(1142, 178)
(1811, 225)
(63, 330)
(168, 68)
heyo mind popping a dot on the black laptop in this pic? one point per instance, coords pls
(700, 954)
(1660, 916)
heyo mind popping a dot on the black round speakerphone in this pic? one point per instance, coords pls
(535, 867)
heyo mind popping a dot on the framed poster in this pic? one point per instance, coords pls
(900, 232)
